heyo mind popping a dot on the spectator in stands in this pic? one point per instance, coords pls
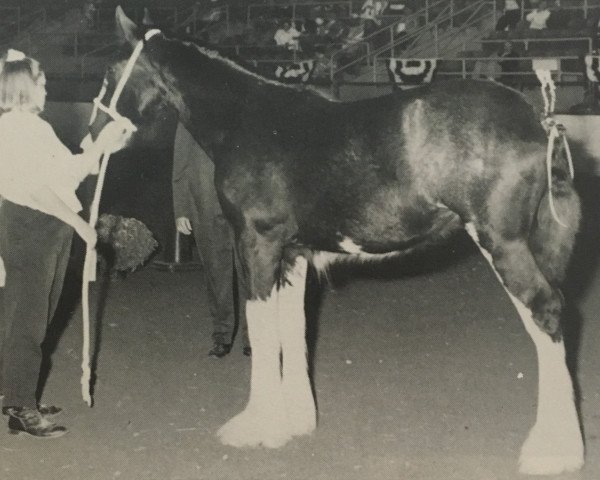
(287, 36)
(371, 11)
(323, 66)
(559, 17)
(371, 19)
(89, 12)
(538, 17)
(510, 17)
(336, 31)
(488, 69)
(509, 65)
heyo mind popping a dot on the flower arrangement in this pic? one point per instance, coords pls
(129, 241)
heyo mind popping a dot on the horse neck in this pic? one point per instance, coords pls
(214, 111)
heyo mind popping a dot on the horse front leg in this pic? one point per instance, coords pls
(263, 421)
(297, 393)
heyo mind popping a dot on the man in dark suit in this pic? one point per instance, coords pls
(198, 212)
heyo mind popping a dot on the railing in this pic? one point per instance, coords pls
(298, 10)
(14, 20)
(74, 44)
(195, 23)
(584, 5)
(446, 15)
(476, 14)
(89, 62)
(388, 30)
(527, 40)
(105, 16)
(466, 67)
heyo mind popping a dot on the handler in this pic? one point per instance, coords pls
(38, 214)
(197, 210)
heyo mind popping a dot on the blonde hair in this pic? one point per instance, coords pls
(19, 82)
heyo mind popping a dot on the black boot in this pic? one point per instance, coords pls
(32, 422)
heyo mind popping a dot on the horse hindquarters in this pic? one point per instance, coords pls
(528, 269)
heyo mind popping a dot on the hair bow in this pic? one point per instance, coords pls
(15, 55)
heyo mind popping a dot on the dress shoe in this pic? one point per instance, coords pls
(31, 422)
(49, 410)
(247, 351)
(45, 410)
(219, 350)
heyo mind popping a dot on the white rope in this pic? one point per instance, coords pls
(548, 90)
(89, 266)
(569, 156)
(553, 135)
(555, 131)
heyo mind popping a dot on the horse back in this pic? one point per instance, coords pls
(385, 172)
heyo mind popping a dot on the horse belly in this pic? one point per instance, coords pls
(407, 230)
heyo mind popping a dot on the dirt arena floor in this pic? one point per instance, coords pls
(421, 368)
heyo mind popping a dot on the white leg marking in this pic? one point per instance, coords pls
(264, 421)
(300, 405)
(554, 444)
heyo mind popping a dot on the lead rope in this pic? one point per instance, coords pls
(556, 131)
(89, 266)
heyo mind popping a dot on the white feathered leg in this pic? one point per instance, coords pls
(264, 420)
(555, 443)
(297, 393)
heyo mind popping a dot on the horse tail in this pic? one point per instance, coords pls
(552, 239)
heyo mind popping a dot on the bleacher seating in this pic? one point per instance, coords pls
(454, 35)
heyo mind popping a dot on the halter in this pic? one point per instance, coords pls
(111, 109)
(89, 266)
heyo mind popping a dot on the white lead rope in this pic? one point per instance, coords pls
(555, 132)
(89, 266)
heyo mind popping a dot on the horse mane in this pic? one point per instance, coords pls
(241, 66)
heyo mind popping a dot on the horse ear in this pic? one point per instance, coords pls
(126, 28)
(147, 21)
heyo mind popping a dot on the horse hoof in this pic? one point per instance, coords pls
(300, 407)
(550, 465)
(548, 452)
(249, 429)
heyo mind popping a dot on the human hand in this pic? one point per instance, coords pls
(183, 225)
(115, 135)
(2, 273)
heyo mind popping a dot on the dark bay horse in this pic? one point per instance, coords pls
(308, 180)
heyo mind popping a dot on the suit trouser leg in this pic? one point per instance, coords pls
(214, 242)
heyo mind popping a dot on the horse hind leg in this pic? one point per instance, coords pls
(555, 442)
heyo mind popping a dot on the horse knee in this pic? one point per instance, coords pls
(524, 279)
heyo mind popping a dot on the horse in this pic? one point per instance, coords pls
(307, 181)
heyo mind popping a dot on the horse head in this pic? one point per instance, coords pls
(149, 91)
